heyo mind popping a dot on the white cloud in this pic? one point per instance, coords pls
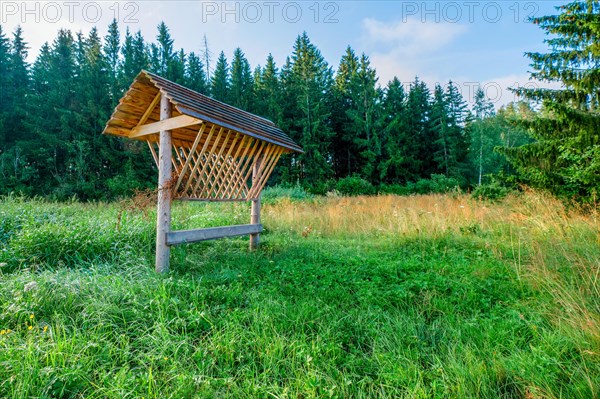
(405, 48)
(412, 36)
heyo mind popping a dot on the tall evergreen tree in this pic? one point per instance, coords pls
(112, 47)
(5, 61)
(241, 90)
(419, 149)
(397, 149)
(483, 140)
(163, 51)
(134, 58)
(195, 77)
(307, 83)
(450, 145)
(220, 84)
(344, 151)
(565, 157)
(267, 91)
(364, 118)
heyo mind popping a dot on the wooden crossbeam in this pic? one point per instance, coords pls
(150, 109)
(189, 236)
(167, 124)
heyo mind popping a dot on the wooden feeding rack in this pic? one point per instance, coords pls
(204, 150)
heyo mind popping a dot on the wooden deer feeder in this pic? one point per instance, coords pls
(204, 150)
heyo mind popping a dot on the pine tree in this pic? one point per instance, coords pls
(267, 91)
(112, 47)
(307, 83)
(397, 163)
(195, 77)
(344, 152)
(419, 151)
(364, 118)
(176, 70)
(135, 58)
(241, 90)
(483, 140)
(439, 124)
(4, 84)
(164, 50)
(565, 157)
(219, 85)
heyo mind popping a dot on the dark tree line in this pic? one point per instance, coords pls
(52, 113)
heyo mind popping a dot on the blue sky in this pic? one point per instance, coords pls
(470, 42)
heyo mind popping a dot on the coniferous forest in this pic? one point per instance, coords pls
(358, 133)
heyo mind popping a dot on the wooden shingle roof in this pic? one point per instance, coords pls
(139, 104)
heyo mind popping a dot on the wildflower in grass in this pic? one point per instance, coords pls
(31, 316)
(45, 328)
(2, 332)
(30, 327)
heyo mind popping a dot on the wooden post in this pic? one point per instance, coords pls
(163, 215)
(255, 211)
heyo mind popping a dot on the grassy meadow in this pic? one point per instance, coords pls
(438, 296)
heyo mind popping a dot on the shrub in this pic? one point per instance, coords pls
(493, 191)
(354, 185)
(276, 193)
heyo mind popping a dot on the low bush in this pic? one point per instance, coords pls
(493, 191)
(355, 185)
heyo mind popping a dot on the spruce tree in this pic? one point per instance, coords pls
(344, 153)
(419, 149)
(220, 84)
(483, 137)
(307, 81)
(112, 47)
(397, 164)
(5, 62)
(267, 91)
(241, 90)
(134, 58)
(565, 157)
(363, 116)
(195, 76)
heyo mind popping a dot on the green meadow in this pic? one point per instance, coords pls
(437, 296)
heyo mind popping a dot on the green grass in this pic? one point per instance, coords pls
(321, 314)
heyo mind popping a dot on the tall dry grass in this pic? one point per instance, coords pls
(554, 248)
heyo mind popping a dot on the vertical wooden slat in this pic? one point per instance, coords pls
(163, 218)
(255, 207)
